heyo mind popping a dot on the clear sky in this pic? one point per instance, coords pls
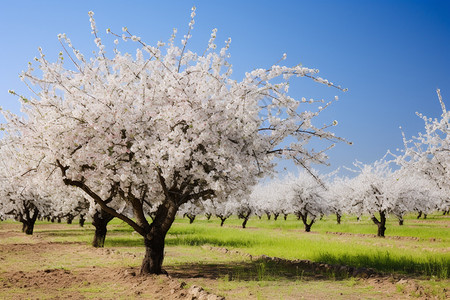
(391, 55)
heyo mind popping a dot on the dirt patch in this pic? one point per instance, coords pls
(24, 274)
(101, 283)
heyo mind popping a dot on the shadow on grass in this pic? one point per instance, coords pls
(383, 262)
(200, 241)
(112, 241)
(65, 232)
(259, 270)
(115, 240)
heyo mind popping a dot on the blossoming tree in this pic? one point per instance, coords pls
(166, 126)
(307, 197)
(428, 153)
(373, 192)
(19, 199)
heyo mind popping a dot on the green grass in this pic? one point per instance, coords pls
(420, 247)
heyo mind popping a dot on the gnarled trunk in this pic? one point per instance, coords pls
(82, 220)
(308, 227)
(70, 218)
(154, 252)
(222, 219)
(338, 218)
(191, 217)
(380, 223)
(275, 216)
(28, 219)
(154, 239)
(100, 220)
(304, 218)
(245, 222)
(285, 216)
(245, 215)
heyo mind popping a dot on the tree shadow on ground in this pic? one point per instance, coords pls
(258, 270)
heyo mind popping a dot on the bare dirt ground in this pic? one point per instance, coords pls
(32, 267)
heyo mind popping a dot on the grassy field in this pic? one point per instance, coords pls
(419, 247)
(414, 260)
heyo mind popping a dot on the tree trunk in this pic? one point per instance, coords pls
(304, 218)
(28, 220)
(285, 216)
(424, 216)
(191, 218)
(28, 226)
(419, 215)
(155, 236)
(268, 215)
(208, 216)
(154, 252)
(70, 218)
(338, 218)
(100, 220)
(245, 222)
(308, 227)
(400, 220)
(275, 216)
(380, 223)
(82, 220)
(222, 220)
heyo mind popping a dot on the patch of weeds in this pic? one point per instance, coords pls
(400, 288)
(436, 288)
(416, 294)
(351, 282)
(261, 271)
(160, 280)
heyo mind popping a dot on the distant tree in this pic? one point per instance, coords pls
(428, 154)
(271, 198)
(338, 193)
(244, 210)
(307, 197)
(19, 199)
(373, 192)
(191, 210)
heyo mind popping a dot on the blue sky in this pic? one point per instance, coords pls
(391, 55)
